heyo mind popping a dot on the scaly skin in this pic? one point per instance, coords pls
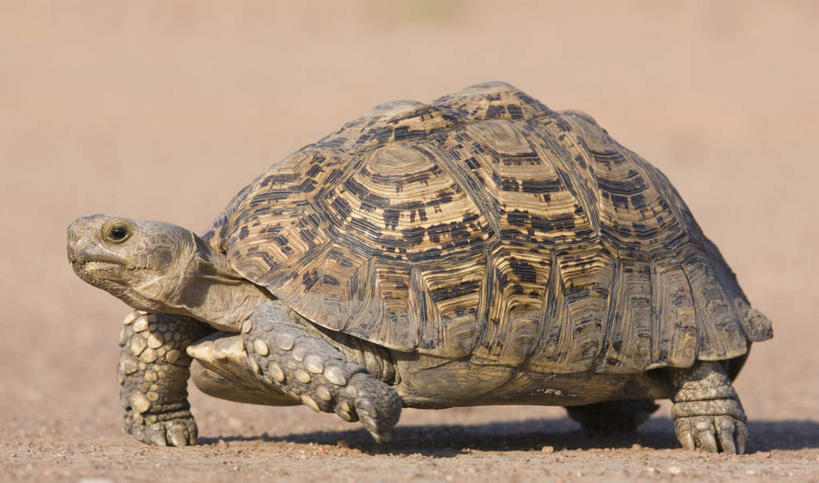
(153, 374)
(307, 367)
(707, 413)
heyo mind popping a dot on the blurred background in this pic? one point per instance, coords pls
(165, 109)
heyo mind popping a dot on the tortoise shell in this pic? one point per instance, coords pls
(490, 226)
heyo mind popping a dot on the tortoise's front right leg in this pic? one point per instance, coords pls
(153, 374)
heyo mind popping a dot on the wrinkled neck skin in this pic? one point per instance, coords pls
(203, 286)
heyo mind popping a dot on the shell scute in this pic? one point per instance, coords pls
(493, 100)
(402, 121)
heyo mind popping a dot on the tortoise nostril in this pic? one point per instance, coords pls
(71, 243)
(74, 231)
(74, 238)
(72, 254)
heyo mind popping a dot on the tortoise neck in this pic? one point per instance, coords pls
(215, 293)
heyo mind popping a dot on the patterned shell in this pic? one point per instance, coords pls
(486, 225)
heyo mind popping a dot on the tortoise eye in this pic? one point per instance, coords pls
(118, 233)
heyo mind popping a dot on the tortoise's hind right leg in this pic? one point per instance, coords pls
(707, 413)
(607, 416)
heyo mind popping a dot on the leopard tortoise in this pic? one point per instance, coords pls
(482, 249)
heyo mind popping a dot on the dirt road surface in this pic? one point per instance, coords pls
(165, 109)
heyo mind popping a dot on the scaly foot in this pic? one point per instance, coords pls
(707, 413)
(310, 369)
(153, 375)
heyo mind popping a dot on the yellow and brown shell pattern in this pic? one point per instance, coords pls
(487, 226)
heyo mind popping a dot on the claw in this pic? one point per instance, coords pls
(138, 432)
(687, 441)
(368, 416)
(725, 431)
(742, 438)
(156, 434)
(370, 425)
(708, 441)
(177, 435)
(377, 406)
(727, 443)
(712, 433)
(175, 431)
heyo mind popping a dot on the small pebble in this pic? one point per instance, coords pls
(547, 449)
(675, 470)
(221, 443)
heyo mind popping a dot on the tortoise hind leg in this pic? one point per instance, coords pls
(288, 356)
(609, 416)
(707, 413)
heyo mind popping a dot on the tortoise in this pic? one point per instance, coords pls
(480, 250)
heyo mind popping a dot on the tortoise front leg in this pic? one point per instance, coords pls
(288, 357)
(153, 374)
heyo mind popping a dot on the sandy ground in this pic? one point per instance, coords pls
(165, 109)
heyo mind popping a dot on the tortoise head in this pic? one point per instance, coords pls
(143, 263)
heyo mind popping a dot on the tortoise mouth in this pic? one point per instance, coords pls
(103, 272)
(88, 264)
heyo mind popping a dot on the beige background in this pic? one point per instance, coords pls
(165, 109)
